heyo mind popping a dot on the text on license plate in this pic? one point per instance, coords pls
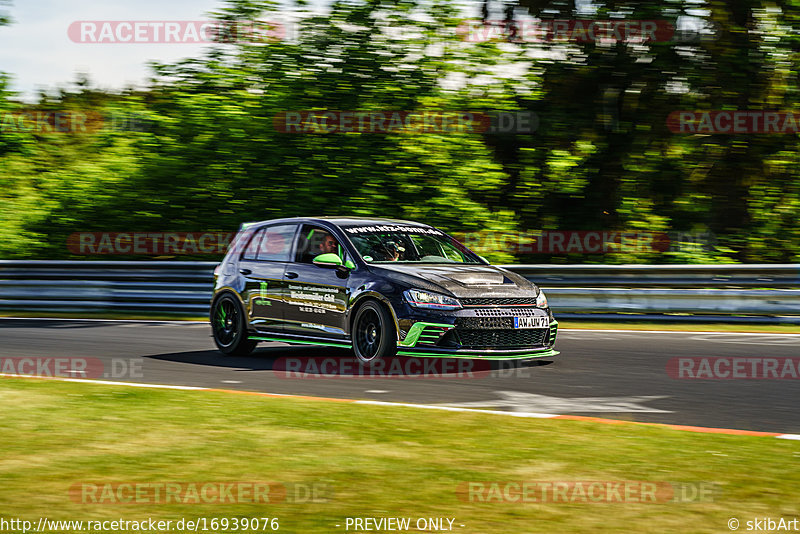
(535, 321)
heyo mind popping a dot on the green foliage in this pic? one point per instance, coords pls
(205, 154)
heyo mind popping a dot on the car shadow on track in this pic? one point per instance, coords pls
(333, 362)
(262, 359)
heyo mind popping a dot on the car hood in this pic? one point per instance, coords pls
(464, 280)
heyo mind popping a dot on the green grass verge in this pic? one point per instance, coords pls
(379, 461)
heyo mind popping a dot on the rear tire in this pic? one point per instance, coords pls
(229, 325)
(374, 335)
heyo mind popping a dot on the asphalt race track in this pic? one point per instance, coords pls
(611, 374)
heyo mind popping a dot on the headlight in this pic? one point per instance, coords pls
(434, 301)
(541, 300)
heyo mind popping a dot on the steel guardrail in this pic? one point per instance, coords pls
(728, 293)
(772, 276)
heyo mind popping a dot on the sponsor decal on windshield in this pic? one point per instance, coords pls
(382, 228)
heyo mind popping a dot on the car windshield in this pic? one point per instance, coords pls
(407, 244)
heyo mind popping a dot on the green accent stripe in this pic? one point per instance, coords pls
(481, 356)
(346, 344)
(416, 331)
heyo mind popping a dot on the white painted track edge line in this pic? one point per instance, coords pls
(354, 401)
(107, 382)
(456, 409)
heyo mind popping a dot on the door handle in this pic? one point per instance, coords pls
(245, 271)
(291, 275)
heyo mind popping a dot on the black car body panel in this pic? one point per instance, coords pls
(287, 297)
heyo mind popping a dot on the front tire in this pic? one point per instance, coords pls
(374, 335)
(229, 325)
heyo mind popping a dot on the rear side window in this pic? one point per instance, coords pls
(276, 244)
(252, 247)
(273, 243)
(237, 244)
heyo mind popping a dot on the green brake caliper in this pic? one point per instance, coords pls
(221, 316)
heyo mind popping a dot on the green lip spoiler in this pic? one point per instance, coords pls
(478, 355)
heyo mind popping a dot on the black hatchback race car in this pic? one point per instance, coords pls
(381, 286)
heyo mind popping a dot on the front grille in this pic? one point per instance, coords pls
(506, 312)
(499, 301)
(493, 339)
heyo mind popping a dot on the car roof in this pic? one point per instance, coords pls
(339, 221)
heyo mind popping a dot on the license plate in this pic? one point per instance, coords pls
(536, 321)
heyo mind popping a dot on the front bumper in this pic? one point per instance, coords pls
(522, 354)
(485, 333)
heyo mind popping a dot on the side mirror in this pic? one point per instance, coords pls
(328, 260)
(334, 261)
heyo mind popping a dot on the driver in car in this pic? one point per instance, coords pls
(393, 250)
(328, 245)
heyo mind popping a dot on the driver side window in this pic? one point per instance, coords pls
(315, 240)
